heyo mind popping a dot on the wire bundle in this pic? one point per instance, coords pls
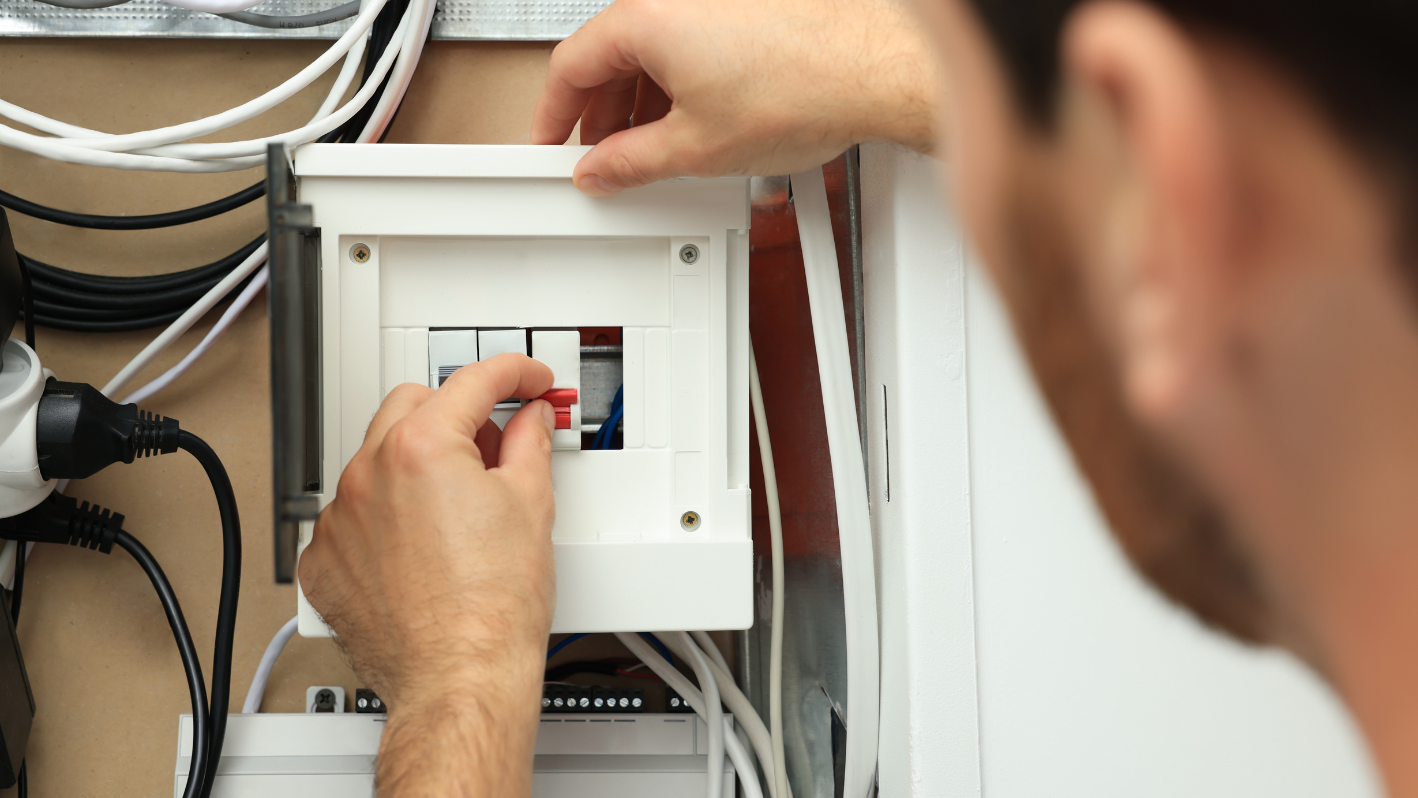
(70, 300)
(170, 148)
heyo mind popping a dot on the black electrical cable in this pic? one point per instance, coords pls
(149, 222)
(27, 283)
(61, 296)
(230, 590)
(200, 722)
(47, 275)
(81, 302)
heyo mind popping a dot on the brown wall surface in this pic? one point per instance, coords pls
(101, 658)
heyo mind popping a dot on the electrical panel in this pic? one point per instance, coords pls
(435, 256)
(297, 755)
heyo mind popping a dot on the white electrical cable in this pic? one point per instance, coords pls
(185, 321)
(268, 661)
(775, 536)
(714, 714)
(743, 764)
(746, 716)
(216, 6)
(213, 335)
(402, 75)
(336, 92)
(711, 650)
(695, 699)
(220, 156)
(80, 137)
(829, 332)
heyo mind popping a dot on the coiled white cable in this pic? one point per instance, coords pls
(342, 83)
(257, 690)
(74, 136)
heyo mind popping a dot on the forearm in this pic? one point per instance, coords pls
(897, 82)
(476, 740)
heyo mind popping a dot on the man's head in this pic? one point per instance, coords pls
(1199, 214)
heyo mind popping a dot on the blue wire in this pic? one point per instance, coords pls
(569, 639)
(664, 652)
(563, 643)
(607, 430)
(609, 427)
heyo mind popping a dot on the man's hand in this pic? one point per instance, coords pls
(735, 87)
(434, 565)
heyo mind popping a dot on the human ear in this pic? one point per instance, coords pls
(1144, 118)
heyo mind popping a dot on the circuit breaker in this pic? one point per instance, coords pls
(435, 256)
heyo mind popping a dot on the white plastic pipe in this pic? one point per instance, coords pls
(849, 482)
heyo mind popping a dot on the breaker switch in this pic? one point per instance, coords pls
(560, 351)
(560, 397)
(561, 400)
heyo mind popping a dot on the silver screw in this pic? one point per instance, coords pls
(690, 521)
(359, 253)
(635, 702)
(546, 702)
(363, 702)
(689, 253)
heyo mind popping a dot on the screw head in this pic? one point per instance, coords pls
(689, 521)
(635, 702)
(585, 702)
(359, 253)
(363, 702)
(689, 253)
(546, 702)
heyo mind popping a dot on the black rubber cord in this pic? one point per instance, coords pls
(231, 586)
(80, 281)
(150, 222)
(200, 724)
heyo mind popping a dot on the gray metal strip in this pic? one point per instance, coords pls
(490, 20)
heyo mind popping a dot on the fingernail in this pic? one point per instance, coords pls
(549, 416)
(597, 186)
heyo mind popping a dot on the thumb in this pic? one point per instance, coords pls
(632, 158)
(525, 456)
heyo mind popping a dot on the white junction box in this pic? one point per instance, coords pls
(436, 256)
(296, 755)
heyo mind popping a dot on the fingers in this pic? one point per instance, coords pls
(465, 400)
(400, 402)
(489, 441)
(634, 158)
(525, 458)
(608, 110)
(651, 102)
(597, 53)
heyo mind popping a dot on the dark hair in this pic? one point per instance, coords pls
(1357, 59)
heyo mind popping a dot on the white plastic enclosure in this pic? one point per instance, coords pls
(455, 238)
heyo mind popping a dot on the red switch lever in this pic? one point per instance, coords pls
(560, 397)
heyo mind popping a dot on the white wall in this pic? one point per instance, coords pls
(1085, 681)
